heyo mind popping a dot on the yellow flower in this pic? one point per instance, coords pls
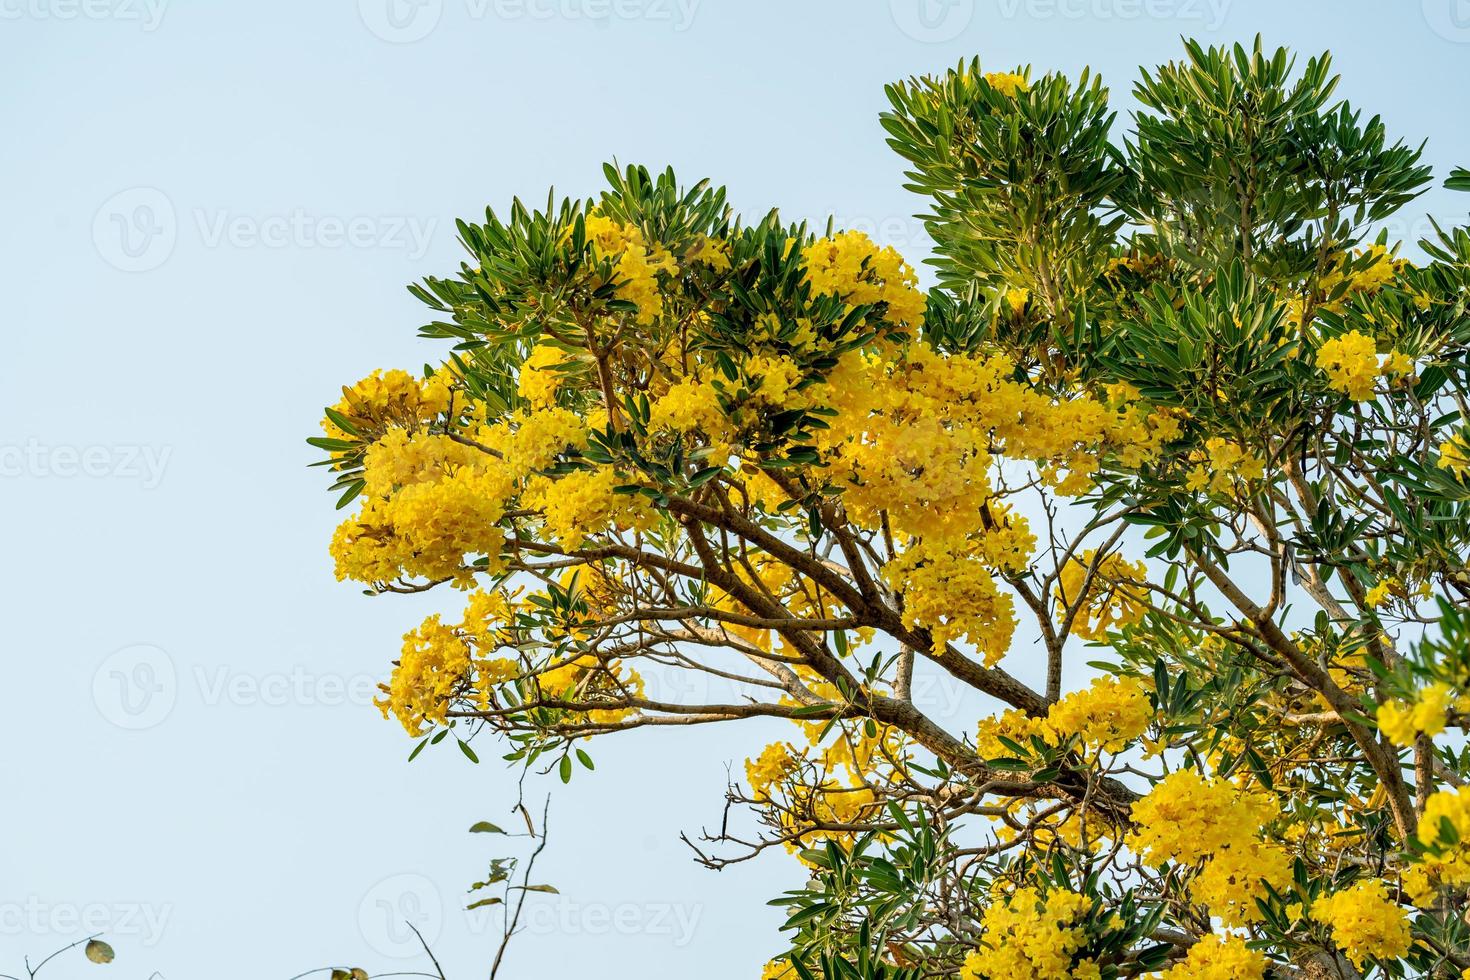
(771, 766)
(1218, 958)
(850, 266)
(953, 596)
(1007, 83)
(1186, 817)
(1230, 882)
(1366, 923)
(1108, 715)
(1351, 364)
(538, 383)
(1403, 723)
(714, 253)
(638, 263)
(583, 503)
(1398, 363)
(1112, 598)
(1029, 936)
(1381, 592)
(389, 398)
(1454, 454)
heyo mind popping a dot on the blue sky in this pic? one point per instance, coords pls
(211, 212)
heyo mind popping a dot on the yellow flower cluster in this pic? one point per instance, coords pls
(912, 444)
(1108, 715)
(1403, 722)
(639, 264)
(1229, 883)
(538, 383)
(954, 596)
(1007, 83)
(1189, 818)
(432, 502)
(691, 405)
(1366, 923)
(1218, 957)
(1111, 600)
(772, 378)
(1446, 863)
(390, 398)
(437, 666)
(1454, 454)
(850, 266)
(425, 530)
(773, 765)
(1351, 364)
(713, 252)
(1031, 936)
(1223, 462)
(1381, 592)
(402, 458)
(585, 679)
(1380, 271)
(582, 502)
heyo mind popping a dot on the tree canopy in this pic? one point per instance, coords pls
(1167, 473)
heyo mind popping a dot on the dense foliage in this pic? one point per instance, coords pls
(1168, 472)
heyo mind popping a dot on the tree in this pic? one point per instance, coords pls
(1172, 413)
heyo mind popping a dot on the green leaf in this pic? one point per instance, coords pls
(485, 827)
(99, 952)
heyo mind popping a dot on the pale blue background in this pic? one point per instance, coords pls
(165, 547)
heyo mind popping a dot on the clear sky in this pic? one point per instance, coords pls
(211, 210)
